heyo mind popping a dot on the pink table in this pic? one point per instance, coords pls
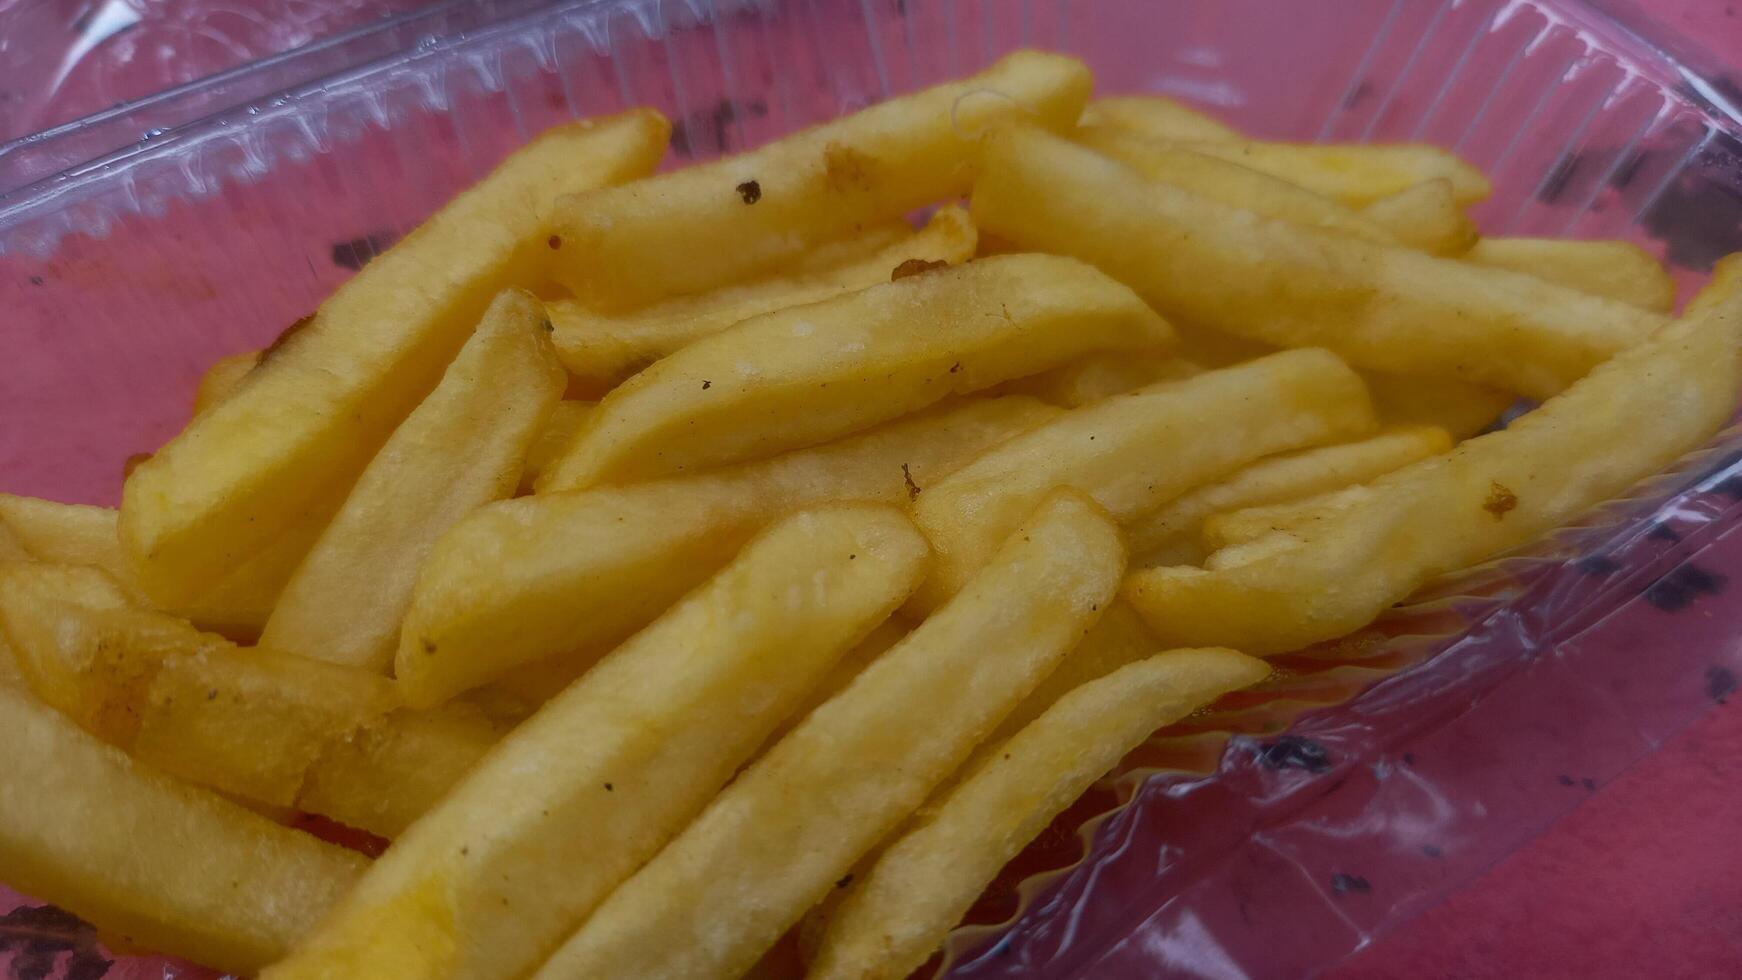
(1639, 879)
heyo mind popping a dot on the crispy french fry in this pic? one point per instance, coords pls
(65, 534)
(574, 573)
(1230, 183)
(711, 225)
(11, 549)
(1426, 216)
(1158, 117)
(1619, 270)
(279, 453)
(1380, 307)
(801, 376)
(1135, 452)
(248, 722)
(852, 663)
(222, 378)
(1169, 536)
(582, 793)
(600, 349)
(776, 840)
(141, 855)
(1090, 379)
(459, 449)
(1117, 639)
(1356, 174)
(554, 437)
(895, 916)
(1630, 417)
(1220, 531)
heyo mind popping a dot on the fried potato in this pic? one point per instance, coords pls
(1356, 174)
(1630, 417)
(1426, 216)
(801, 376)
(251, 723)
(1157, 117)
(852, 663)
(1117, 639)
(777, 839)
(1090, 379)
(1135, 452)
(894, 917)
(1220, 531)
(1619, 270)
(461, 448)
(279, 453)
(65, 534)
(1230, 183)
(602, 349)
(578, 796)
(143, 856)
(707, 226)
(553, 437)
(574, 573)
(1380, 307)
(1460, 408)
(222, 378)
(1169, 536)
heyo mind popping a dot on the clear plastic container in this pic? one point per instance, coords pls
(138, 245)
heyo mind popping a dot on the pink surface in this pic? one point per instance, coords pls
(1638, 879)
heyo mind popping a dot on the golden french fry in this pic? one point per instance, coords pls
(554, 437)
(280, 452)
(1460, 408)
(1619, 270)
(894, 917)
(1230, 183)
(248, 722)
(1381, 307)
(1135, 452)
(140, 855)
(1118, 638)
(801, 376)
(852, 663)
(1356, 174)
(1220, 531)
(1630, 417)
(65, 534)
(459, 449)
(707, 226)
(222, 378)
(1090, 379)
(574, 573)
(1157, 117)
(1169, 536)
(777, 839)
(1426, 216)
(578, 796)
(602, 349)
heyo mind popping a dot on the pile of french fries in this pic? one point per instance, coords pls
(673, 564)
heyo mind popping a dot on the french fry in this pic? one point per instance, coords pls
(805, 375)
(65, 534)
(918, 889)
(1117, 639)
(140, 855)
(1157, 117)
(1380, 307)
(459, 449)
(252, 723)
(707, 226)
(1631, 416)
(1090, 379)
(852, 663)
(1619, 270)
(1224, 530)
(1426, 216)
(554, 437)
(1460, 408)
(222, 378)
(582, 793)
(1169, 536)
(277, 455)
(1356, 174)
(601, 349)
(1230, 183)
(1135, 452)
(575, 573)
(777, 839)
